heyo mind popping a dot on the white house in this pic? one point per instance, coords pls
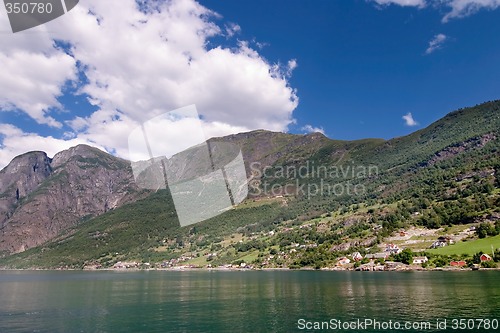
(392, 249)
(356, 256)
(420, 260)
(344, 261)
(381, 255)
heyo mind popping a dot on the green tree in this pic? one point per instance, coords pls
(405, 256)
(476, 258)
(486, 229)
(488, 264)
(496, 257)
(440, 262)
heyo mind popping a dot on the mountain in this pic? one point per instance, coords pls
(40, 197)
(455, 128)
(83, 207)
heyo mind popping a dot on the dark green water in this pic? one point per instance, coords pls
(200, 301)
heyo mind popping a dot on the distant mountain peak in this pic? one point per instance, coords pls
(26, 160)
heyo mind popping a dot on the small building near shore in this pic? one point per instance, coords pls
(381, 255)
(460, 263)
(356, 256)
(485, 257)
(442, 242)
(343, 261)
(420, 260)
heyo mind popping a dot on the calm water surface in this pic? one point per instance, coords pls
(203, 301)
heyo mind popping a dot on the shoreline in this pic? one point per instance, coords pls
(223, 269)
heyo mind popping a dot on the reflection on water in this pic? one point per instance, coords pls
(201, 301)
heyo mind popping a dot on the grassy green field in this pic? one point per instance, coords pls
(201, 261)
(470, 247)
(251, 256)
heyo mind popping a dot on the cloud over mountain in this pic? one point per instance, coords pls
(135, 60)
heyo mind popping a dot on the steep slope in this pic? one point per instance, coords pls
(270, 148)
(455, 128)
(42, 197)
(21, 177)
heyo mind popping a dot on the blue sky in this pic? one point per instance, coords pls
(350, 68)
(362, 67)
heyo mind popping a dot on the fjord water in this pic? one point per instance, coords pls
(216, 301)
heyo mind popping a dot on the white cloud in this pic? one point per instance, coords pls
(436, 43)
(408, 118)
(292, 64)
(462, 8)
(140, 64)
(311, 129)
(144, 69)
(33, 72)
(31, 82)
(261, 45)
(406, 3)
(78, 124)
(458, 8)
(232, 29)
(16, 141)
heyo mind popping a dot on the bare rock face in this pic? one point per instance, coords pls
(25, 173)
(20, 178)
(41, 197)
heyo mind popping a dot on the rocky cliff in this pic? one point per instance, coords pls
(41, 197)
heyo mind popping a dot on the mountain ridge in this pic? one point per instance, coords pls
(84, 182)
(78, 183)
